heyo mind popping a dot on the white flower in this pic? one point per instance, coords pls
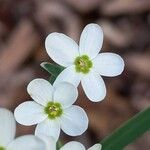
(7, 135)
(83, 63)
(78, 146)
(52, 109)
(73, 145)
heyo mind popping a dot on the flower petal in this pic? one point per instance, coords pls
(73, 146)
(29, 113)
(49, 128)
(69, 75)
(7, 127)
(74, 121)
(94, 87)
(40, 90)
(50, 143)
(61, 48)
(96, 147)
(27, 142)
(66, 94)
(108, 64)
(91, 40)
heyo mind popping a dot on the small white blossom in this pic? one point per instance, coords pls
(73, 145)
(84, 63)
(7, 135)
(52, 109)
(78, 146)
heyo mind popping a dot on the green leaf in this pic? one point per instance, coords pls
(52, 79)
(128, 132)
(53, 69)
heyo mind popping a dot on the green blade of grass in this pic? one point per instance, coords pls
(128, 132)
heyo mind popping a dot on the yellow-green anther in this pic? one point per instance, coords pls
(2, 148)
(53, 110)
(83, 64)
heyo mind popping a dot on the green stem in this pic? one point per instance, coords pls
(59, 145)
(128, 132)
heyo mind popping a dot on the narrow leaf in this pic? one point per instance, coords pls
(52, 79)
(53, 69)
(128, 132)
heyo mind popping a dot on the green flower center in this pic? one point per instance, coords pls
(83, 64)
(53, 110)
(2, 148)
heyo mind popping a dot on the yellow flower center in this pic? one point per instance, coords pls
(53, 110)
(2, 148)
(83, 64)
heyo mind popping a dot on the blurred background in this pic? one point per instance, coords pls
(24, 25)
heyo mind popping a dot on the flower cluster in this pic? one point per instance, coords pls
(53, 107)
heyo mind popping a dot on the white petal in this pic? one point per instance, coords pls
(7, 127)
(73, 146)
(91, 40)
(40, 90)
(94, 87)
(108, 64)
(69, 75)
(66, 94)
(74, 121)
(29, 113)
(61, 48)
(49, 128)
(27, 142)
(50, 143)
(96, 147)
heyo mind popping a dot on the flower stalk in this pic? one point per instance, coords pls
(128, 132)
